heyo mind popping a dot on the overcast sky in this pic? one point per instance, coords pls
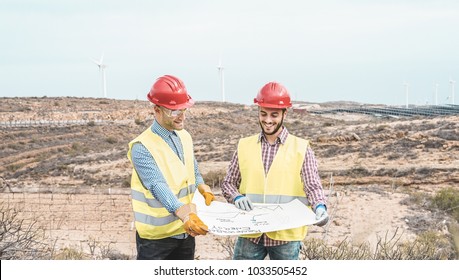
(321, 51)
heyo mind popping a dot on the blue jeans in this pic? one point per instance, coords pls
(165, 249)
(247, 250)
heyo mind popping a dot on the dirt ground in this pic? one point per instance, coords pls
(370, 166)
(358, 216)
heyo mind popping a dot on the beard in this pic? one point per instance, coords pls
(275, 130)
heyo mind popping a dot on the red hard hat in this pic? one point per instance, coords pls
(170, 92)
(273, 95)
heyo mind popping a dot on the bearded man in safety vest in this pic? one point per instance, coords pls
(164, 178)
(273, 167)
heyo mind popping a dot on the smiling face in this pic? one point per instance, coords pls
(167, 120)
(271, 120)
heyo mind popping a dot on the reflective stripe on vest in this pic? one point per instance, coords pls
(152, 220)
(281, 184)
(276, 199)
(154, 203)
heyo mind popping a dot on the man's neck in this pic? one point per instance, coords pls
(272, 138)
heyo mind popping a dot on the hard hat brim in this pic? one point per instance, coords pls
(185, 105)
(273, 106)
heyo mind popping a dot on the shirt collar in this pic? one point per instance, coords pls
(281, 138)
(161, 131)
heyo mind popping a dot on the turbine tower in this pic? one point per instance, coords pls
(222, 78)
(406, 92)
(102, 67)
(452, 82)
(436, 93)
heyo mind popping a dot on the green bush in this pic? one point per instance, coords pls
(214, 178)
(448, 200)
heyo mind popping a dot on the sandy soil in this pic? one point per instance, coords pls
(376, 163)
(358, 216)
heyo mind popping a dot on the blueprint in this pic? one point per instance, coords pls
(226, 219)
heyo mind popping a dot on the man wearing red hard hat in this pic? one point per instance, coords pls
(164, 178)
(273, 167)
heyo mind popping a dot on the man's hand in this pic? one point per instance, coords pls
(206, 193)
(191, 222)
(321, 213)
(243, 203)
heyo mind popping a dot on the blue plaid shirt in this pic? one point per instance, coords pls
(149, 173)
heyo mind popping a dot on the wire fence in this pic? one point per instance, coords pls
(73, 220)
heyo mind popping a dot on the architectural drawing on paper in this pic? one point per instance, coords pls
(226, 219)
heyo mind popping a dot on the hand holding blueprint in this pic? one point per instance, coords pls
(226, 219)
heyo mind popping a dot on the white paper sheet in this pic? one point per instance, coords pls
(226, 219)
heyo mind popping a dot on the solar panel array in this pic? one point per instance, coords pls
(433, 110)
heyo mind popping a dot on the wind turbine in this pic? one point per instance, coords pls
(452, 82)
(102, 67)
(222, 78)
(406, 92)
(436, 93)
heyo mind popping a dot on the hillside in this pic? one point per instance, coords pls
(356, 149)
(79, 145)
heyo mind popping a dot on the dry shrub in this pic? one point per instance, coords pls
(97, 251)
(418, 198)
(394, 156)
(138, 121)
(71, 253)
(227, 243)
(447, 134)
(111, 140)
(453, 228)
(424, 171)
(434, 144)
(113, 254)
(126, 182)
(404, 172)
(104, 250)
(317, 249)
(427, 246)
(331, 150)
(358, 171)
(21, 239)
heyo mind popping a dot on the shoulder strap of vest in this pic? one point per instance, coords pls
(302, 143)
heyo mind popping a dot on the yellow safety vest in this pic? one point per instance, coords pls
(152, 220)
(281, 184)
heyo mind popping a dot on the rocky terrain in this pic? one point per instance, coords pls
(370, 166)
